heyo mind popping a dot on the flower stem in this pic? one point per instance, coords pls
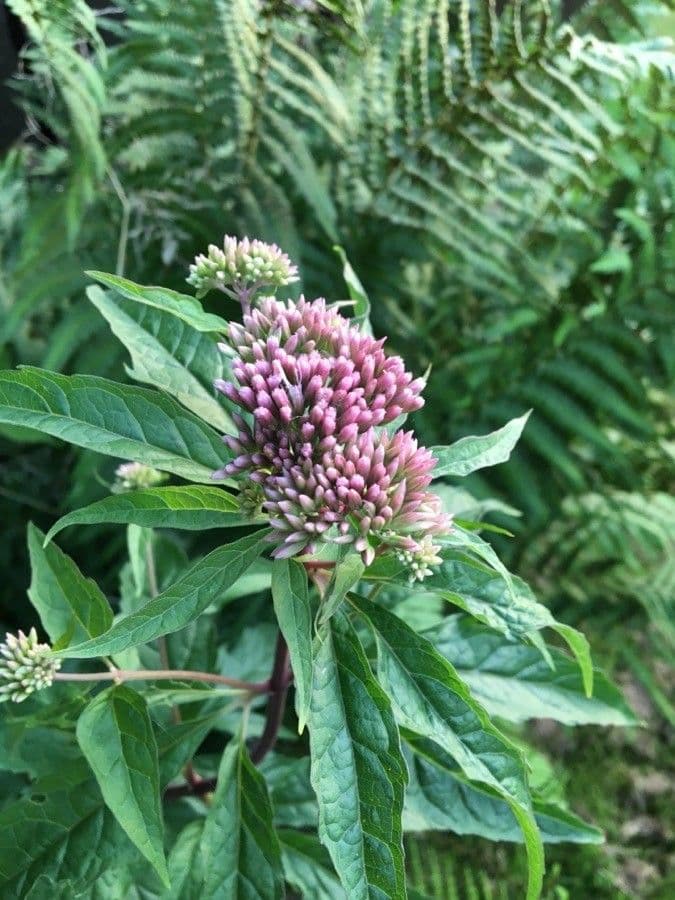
(121, 675)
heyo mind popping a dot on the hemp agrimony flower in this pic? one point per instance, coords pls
(25, 666)
(241, 268)
(314, 392)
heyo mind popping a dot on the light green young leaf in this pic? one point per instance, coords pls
(239, 850)
(71, 607)
(358, 772)
(183, 306)
(290, 596)
(512, 680)
(346, 575)
(118, 420)
(439, 798)
(116, 736)
(177, 606)
(478, 452)
(188, 507)
(168, 354)
(431, 700)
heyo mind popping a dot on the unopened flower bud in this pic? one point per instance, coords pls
(25, 666)
(241, 266)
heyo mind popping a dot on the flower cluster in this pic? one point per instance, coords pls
(241, 268)
(133, 476)
(25, 666)
(314, 392)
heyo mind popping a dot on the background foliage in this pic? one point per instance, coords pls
(501, 178)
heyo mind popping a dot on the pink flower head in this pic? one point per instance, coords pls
(303, 370)
(313, 392)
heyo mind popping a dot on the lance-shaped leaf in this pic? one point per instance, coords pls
(63, 828)
(169, 354)
(187, 507)
(115, 419)
(290, 596)
(183, 306)
(512, 680)
(177, 606)
(346, 574)
(439, 798)
(239, 850)
(71, 607)
(431, 700)
(115, 734)
(357, 770)
(509, 607)
(478, 452)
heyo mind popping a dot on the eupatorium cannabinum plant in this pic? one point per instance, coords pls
(282, 423)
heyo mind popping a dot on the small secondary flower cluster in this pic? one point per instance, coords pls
(315, 392)
(133, 476)
(241, 268)
(25, 666)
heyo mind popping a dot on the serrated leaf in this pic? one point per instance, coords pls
(70, 606)
(116, 736)
(346, 575)
(185, 870)
(168, 354)
(177, 606)
(512, 680)
(431, 700)
(125, 421)
(239, 850)
(183, 306)
(484, 594)
(290, 596)
(357, 772)
(439, 798)
(478, 452)
(188, 507)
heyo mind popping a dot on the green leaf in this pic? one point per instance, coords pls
(118, 420)
(346, 575)
(239, 849)
(63, 829)
(307, 867)
(358, 772)
(64, 834)
(115, 734)
(357, 293)
(293, 799)
(183, 306)
(168, 354)
(177, 606)
(294, 615)
(185, 870)
(71, 607)
(473, 452)
(484, 593)
(188, 507)
(439, 798)
(512, 680)
(431, 700)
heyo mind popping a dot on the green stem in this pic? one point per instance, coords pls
(120, 675)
